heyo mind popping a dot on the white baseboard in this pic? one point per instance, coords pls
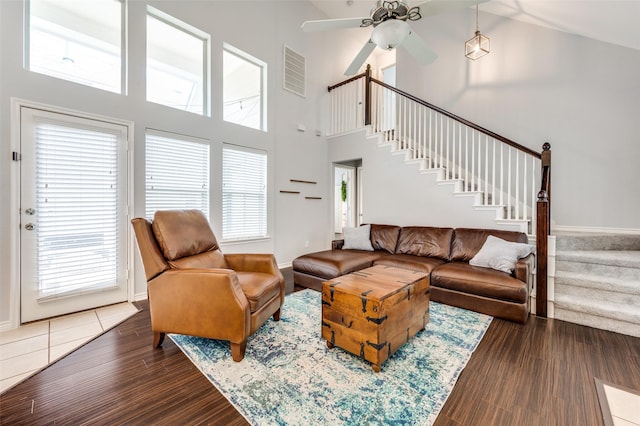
(595, 230)
(140, 296)
(284, 265)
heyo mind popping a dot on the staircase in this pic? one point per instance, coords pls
(512, 214)
(597, 281)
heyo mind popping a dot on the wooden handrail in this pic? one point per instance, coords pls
(459, 119)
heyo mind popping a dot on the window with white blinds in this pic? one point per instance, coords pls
(80, 200)
(244, 193)
(177, 173)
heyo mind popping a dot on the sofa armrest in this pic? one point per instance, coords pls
(337, 244)
(200, 302)
(524, 269)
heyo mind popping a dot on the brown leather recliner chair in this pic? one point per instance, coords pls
(194, 289)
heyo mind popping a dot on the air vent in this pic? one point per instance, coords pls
(295, 70)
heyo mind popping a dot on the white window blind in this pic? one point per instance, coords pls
(79, 205)
(177, 174)
(244, 193)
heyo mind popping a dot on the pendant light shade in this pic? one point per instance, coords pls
(478, 45)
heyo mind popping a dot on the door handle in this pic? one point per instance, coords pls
(30, 226)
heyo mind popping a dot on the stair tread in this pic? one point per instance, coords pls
(626, 258)
(602, 282)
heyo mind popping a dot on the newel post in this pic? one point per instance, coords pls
(367, 96)
(543, 229)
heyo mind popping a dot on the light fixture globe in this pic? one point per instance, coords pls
(390, 33)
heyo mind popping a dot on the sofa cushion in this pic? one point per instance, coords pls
(182, 233)
(407, 261)
(500, 255)
(425, 241)
(467, 242)
(333, 263)
(357, 238)
(384, 237)
(461, 276)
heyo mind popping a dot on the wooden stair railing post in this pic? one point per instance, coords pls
(543, 215)
(367, 96)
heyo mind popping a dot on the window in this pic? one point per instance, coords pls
(77, 41)
(177, 173)
(177, 63)
(244, 193)
(244, 86)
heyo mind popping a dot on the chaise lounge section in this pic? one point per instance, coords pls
(444, 253)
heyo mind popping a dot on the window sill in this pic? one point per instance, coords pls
(244, 240)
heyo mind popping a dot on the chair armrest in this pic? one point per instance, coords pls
(337, 244)
(256, 262)
(200, 302)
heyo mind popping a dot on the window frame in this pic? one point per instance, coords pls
(226, 47)
(123, 90)
(206, 55)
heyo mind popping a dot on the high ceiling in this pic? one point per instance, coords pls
(612, 21)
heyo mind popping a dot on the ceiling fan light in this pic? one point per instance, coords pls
(477, 46)
(389, 34)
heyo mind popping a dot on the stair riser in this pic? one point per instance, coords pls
(598, 269)
(594, 321)
(597, 294)
(598, 242)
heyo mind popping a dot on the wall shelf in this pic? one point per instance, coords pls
(303, 181)
(313, 198)
(289, 192)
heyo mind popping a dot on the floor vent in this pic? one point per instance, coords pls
(295, 69)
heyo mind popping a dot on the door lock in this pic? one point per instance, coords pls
(30, 226)
(30, 211)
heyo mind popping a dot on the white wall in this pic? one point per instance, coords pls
(259, 28)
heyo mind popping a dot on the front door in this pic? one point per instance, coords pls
(73, 213)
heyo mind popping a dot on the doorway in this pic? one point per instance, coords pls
(73, 213)
(347, 195)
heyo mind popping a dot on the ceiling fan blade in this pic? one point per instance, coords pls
(362, 56)
(330, 24)
(434, 7)
(418, 49)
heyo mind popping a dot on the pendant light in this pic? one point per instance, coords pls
(477, 46)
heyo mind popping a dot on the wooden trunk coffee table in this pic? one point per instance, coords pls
(372, 312)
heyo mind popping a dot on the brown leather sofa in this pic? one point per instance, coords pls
(194, 289)
(444, 253)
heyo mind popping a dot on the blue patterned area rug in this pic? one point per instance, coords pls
(290, 377)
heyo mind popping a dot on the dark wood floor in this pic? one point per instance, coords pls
(540, 373)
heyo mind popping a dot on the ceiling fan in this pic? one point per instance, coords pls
(390, 28)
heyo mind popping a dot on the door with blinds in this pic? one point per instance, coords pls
(73, 213)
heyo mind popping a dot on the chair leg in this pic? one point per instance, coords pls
(237, 350)
(276, 315)
(158, 338)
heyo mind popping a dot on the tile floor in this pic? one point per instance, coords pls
(29, 348)
(620, 406)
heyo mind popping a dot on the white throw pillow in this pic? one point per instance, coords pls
(357, 238)
(501, 255)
